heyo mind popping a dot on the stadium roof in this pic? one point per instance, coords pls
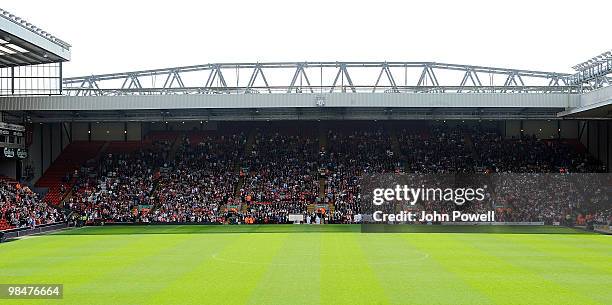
(318, 77)
(594, 104)
(22, 43)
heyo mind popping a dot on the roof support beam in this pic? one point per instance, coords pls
(328, 77)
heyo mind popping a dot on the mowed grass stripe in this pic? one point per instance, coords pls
(346, 275)
(81, 256)
(416, 278)
(127, 276)
(590, 273)
(42, 246)
(596, 243)
(171, 266)
(83, 259)
(169, 270)
(596, 258)
(223, 277)
(82, 285)
(292, 277)
(502, 281)
(25, 258)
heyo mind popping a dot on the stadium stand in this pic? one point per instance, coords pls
(351, 154)
(438, 150)
(282, 176)
(20, 207)
(203, 181)
(60, 176)
(262, 176)
(120, 184)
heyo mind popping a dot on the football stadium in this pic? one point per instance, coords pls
(301, 182)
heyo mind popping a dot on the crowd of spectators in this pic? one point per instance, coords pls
(536, 197)
(202, 181)
(529, 154)
(439, 150)
(516, 196)
(280, 176)
(216, 178)
(20, 207)
(349, 156)
(120, 185)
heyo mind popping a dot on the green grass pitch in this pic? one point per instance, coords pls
(328, 264)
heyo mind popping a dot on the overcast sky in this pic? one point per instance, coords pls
(113, 36)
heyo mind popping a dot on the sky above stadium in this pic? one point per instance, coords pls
(114, 36)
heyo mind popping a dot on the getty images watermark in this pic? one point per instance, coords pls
(425, 198)
(410, 195)
(498, 198)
